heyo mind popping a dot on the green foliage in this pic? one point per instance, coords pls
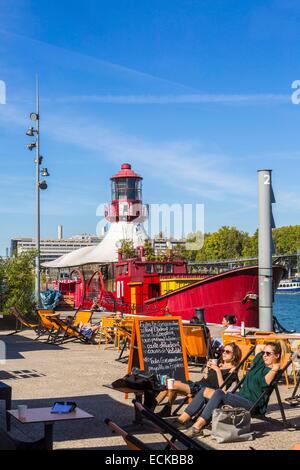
(179, 252)
(2, 283)
(231, 243)
(287, 239)
(149, 252)
(226, 243)
(127, 249)
(250, 249)
(19, 283)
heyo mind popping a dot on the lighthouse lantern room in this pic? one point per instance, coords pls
(126, 197)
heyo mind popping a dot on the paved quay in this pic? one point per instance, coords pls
(40, 374)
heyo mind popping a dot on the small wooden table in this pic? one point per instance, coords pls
(44, 415)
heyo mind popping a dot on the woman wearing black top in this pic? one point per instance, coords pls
(214, 377)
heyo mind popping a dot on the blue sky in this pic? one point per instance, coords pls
(196, 94)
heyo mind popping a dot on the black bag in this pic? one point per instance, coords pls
(139, 380)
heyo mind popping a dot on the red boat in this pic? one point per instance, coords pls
(234, 292)
(151, 287)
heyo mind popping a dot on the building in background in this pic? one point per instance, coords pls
(161, 245)
(53, 248)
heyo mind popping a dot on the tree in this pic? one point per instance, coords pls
(286, 239)
(226, 243)
(2, 283)
(149, 251)
(127, 249)
(250, 249)
(19, 283)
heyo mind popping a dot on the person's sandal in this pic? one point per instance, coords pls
(194, 432)
(166, 411)
(182, 426)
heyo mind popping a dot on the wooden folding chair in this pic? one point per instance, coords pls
(46, 326)
(164, 427)
(108, 331)
(68, 332)
(82, 316)
(21, 322)
(268, 392)
(131, 441)
(195, 343)
(294, 399)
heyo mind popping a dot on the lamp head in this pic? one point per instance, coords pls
(31, 146)
(44, 172)
(43, 185)
(30, 132)
(34, 116)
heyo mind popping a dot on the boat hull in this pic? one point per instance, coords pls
(232, 292)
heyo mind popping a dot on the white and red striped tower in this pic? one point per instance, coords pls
(126, 197)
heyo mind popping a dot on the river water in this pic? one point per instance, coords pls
(286, 308)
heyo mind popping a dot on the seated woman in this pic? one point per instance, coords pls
(263, 371)
(228, 322)
(214, 376)
(87, 330)
(95, 307)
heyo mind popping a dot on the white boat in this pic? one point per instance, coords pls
(289, 286)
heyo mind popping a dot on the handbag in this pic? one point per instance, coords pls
(231, 424)
(139, 380)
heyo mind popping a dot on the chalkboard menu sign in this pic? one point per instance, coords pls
(157, 346)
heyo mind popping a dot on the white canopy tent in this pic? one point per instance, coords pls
(107, 250)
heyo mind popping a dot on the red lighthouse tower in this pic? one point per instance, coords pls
(126, 197)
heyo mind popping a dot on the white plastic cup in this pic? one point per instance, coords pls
(22, 411)
(170, 384)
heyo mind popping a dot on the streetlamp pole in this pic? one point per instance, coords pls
(35, 132)
(38, 227)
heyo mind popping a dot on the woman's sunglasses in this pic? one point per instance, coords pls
(227, 351)
(268, 353)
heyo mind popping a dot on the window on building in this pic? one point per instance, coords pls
(149, 268)
(159, 268)
(169, 268)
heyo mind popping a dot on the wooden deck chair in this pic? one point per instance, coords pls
(108, 331)
(268, 392)
(46, 326)
(21, 322)
(124, 329)
(164, 427)
(247, 352)
(195, 343)
(234, 338)
(294, 399)
(286, 357)
(82, 316)
(245, 349)
(131, 441)
(66, 332)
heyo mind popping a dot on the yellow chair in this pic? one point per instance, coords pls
(234, 338)
(108, 331)
(195, 341)
(286, 354)
(22, 320)
(82, 316)
(124, 329)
